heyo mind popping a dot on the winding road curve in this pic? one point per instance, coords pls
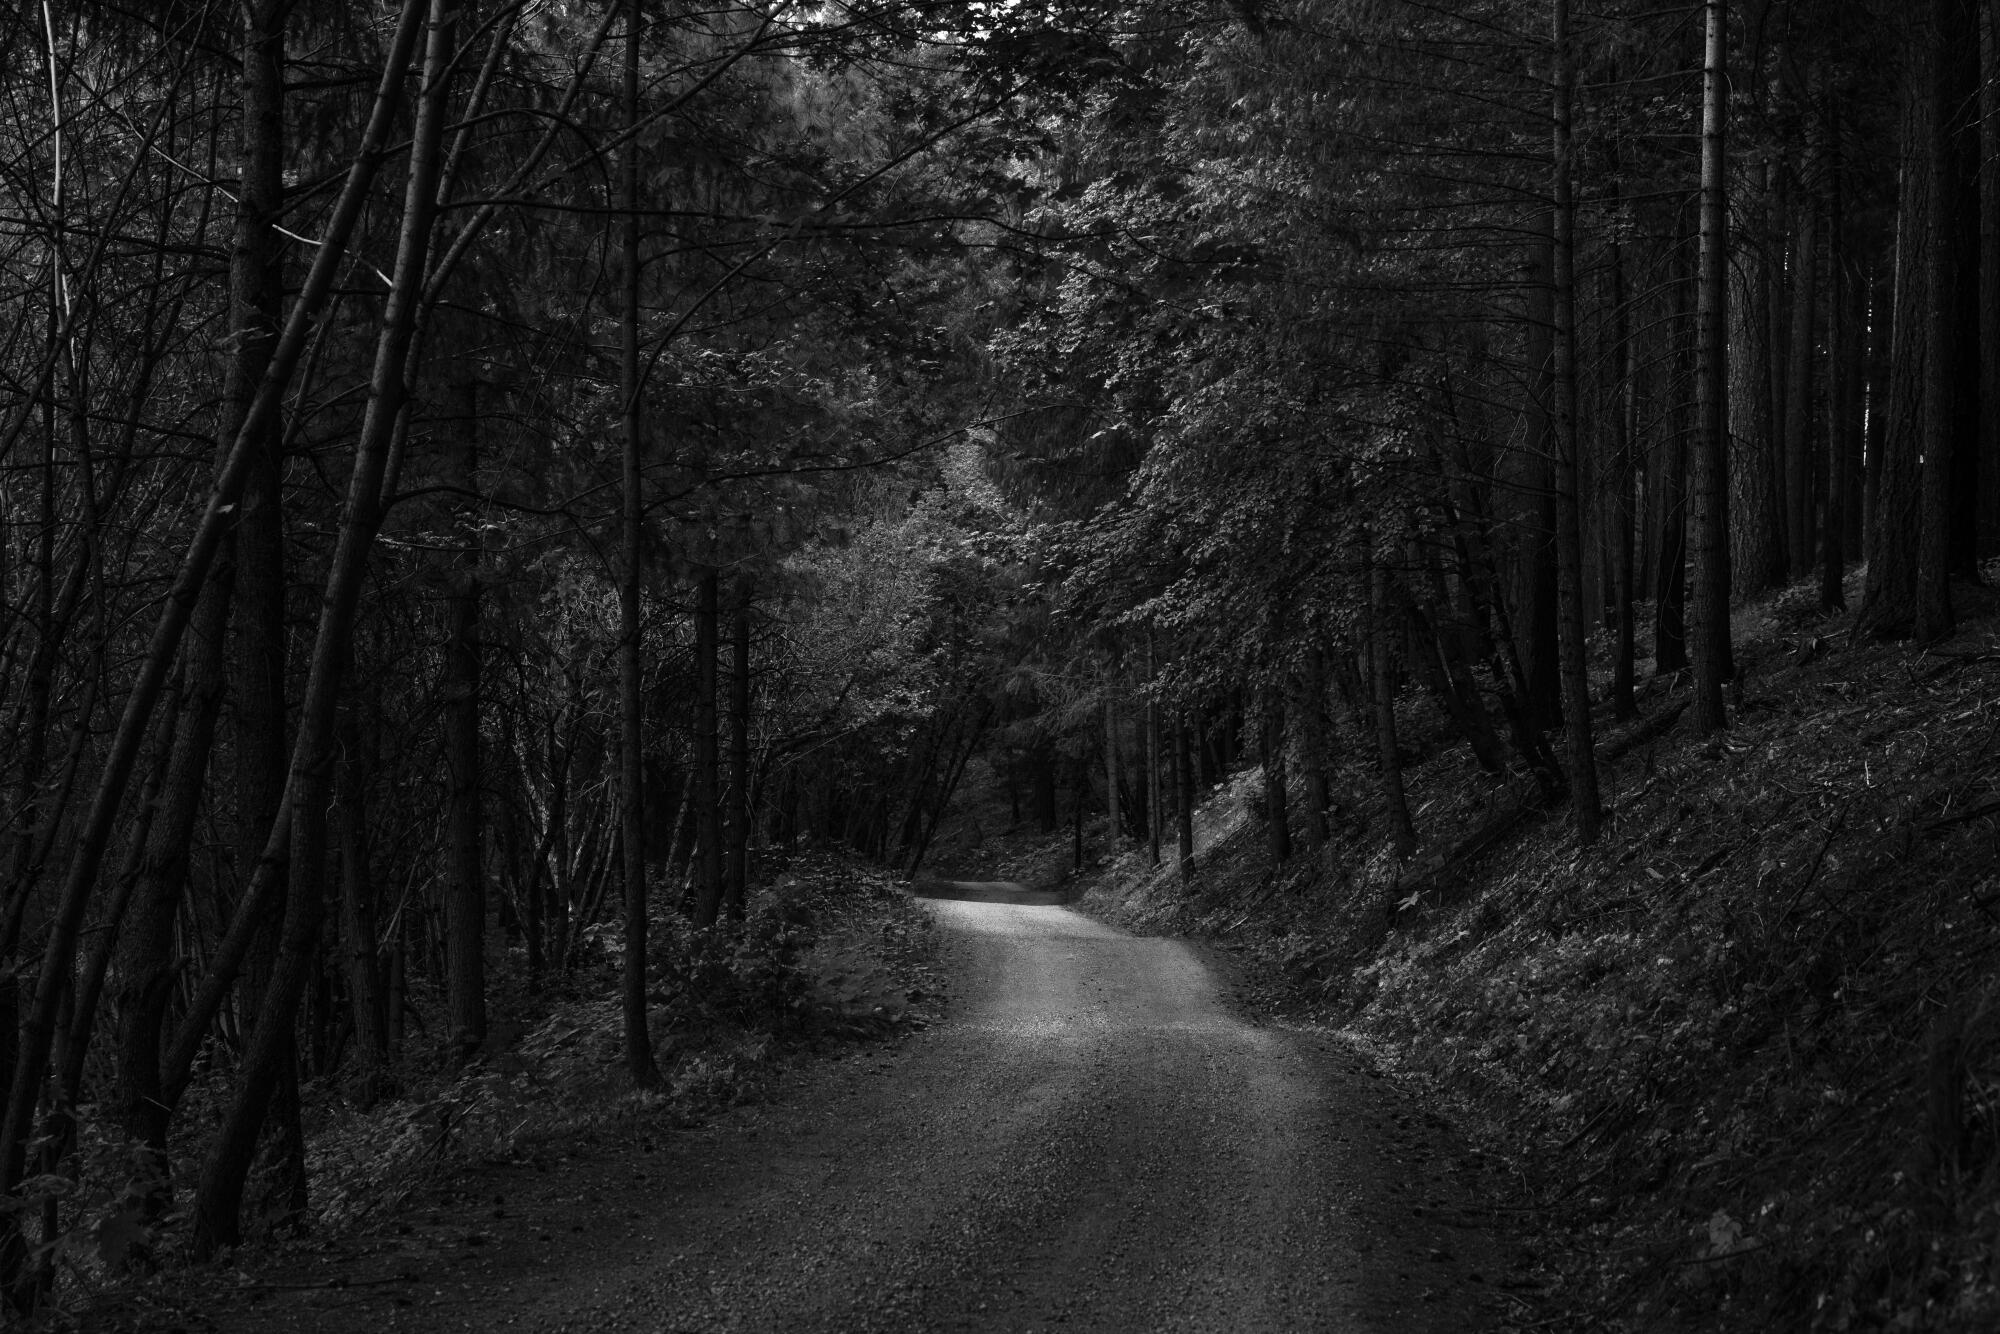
(1095, 1140)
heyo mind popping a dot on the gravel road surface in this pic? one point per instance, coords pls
(1095, 1140)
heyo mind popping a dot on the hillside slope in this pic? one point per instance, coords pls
(1744, 1053)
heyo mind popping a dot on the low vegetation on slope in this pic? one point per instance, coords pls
(1745, 1051)
(831, 953)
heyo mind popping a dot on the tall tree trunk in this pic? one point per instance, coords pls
(1582, 752)
(32, 736)
(1622, 537)
(1079, 798)
(1799, 402)
(1708, 514)
(1388, 750)
(1845, 369)
(1989, 278)
(1536, 578)
(534, 885)
(1184, 794)
(1955, 498)
(146, 964)
(560, 853)
(707, 758)
(1115, 832)
(298, 838)
(1881, 338)
(639, 1063)
(1277, 822)
(1156, 813)
(465, 874)
(367, 998)
(1756, 511)
(1042, 786)
(398, 984)
(737, 872)
(1670, 474)
(258, 613)
(1775, 224)
(1906, 591)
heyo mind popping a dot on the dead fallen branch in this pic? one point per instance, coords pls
(1618, 747)
(1963, 817)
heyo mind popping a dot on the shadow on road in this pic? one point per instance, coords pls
(991, 891)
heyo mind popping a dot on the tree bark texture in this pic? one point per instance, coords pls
(1906, 591)
(1115, 830)
(1185, 798)
(1156, 811)
(1756, 512)
(1579, 743)
(367, 994)
(639, 1063)
(1669, 475)
(1988, 151)
(1846, 316)
(1708, 515)
(1535, 578)
(707, 752)
(1799, 401)
(1622, 512)
(737, 872)
(302, 850)
(465, 872)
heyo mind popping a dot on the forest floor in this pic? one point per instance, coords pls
(1738, 1064)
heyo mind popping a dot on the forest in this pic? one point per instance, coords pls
(489, 488)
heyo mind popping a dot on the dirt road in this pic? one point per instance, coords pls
(1095, 1140)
